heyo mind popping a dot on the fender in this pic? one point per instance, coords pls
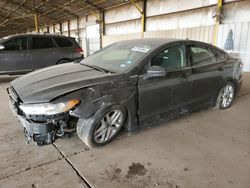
(93, 99)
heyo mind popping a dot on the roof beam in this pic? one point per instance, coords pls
(21, 4)
(38, 6)
(12, 30)
(59, 7)
(8, 19)
(95, 5)
(27, 11)
(84, 8)
(65, 10)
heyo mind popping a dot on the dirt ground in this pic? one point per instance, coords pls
(205, 149)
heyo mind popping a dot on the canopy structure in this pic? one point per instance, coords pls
(19, 16)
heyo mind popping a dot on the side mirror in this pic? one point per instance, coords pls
(1, 47)
(155, 71)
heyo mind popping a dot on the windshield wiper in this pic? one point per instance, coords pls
(98, 68)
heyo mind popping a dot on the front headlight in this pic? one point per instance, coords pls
(48, 108)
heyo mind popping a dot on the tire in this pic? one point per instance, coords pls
(226, 96)
(62, 61)
(100, 130)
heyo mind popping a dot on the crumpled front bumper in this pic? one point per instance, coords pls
(41, 133)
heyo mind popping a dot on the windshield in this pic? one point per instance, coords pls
(117, 57)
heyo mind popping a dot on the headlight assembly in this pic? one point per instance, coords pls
(48, 108)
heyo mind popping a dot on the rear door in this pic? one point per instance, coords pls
(15, 57)
(44, 52)
(165, 97)
(207, 74)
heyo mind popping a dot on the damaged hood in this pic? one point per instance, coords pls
(46, 84)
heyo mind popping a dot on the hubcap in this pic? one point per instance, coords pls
(227, 96)
(108, 126)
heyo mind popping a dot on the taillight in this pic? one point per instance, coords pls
(79, 50)
(240, 64)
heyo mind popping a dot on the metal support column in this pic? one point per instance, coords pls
(78, 30)
(60, 28)
(103, 23)
(102, 27)
(68, 27)
(143, 14)
(36, 23)
(144, 9)
(54, 28)
(218, 20)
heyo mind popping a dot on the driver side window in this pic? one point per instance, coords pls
(172, 58)
(15, 44)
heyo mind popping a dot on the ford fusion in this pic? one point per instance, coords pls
(130, 84)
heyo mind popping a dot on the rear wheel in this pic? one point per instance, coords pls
(102, 128)
(226, 96)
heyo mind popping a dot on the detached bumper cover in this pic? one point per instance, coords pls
(42, 133)
(36, 128)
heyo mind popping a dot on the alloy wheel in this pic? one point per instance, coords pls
(227, 95)
(108, 126)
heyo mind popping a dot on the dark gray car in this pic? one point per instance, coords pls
(131, 84)
(20, 54)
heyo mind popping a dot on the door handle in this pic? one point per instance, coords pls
(221, 68)
(186, 74)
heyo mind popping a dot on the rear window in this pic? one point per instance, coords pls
(220, 56)
(63, 42)
(42, 43)
(202, 56)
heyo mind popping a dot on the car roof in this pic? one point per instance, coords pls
(34, 34)
(158, 41)
(155, 43)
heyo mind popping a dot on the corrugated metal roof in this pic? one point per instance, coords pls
(17, 15)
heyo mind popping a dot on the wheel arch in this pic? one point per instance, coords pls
(86, 112)
(63, 59)
(234, 82)
(93, 99)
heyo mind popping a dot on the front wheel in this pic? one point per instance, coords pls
(102, 128)
(226, 96)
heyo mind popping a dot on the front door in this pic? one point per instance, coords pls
(165, 97)
(15, 57)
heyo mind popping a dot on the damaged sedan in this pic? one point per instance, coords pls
(129, 84)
